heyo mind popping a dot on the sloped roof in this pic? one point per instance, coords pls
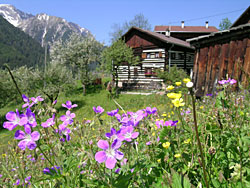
(243, 19)
(163, 38)
(220, 33)
(195, 29)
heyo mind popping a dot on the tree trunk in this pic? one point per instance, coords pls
(84, 89)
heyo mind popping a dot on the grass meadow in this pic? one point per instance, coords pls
(171, 140)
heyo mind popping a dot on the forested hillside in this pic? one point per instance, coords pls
(17, 48)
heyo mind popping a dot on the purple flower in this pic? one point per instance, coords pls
(26, 100)
(54, 102)
(64, 131)
(222, 82)
(109, 154)
(170, 123)
(68, 118)
(148, 143)
(49, 122)
(151, 111)
(113, 134)
(69, 105)
(232, 81)
(14, 119)
(113, 112)
(132, 170)
(128, 134)
(1, 175)
(209, 95)
(17, 182)
(27, 140)
(124, 161)
(35, 100)
(118, 117)
(117, 170)
(159, 124)
(31, 118)
(27, 180)
(98, 110)
(46, 171)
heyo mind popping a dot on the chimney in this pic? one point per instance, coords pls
(168, 32)
(182, 24)
(206, 24)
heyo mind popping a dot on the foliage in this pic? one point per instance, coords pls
(78, 53)
(138, 21)
(163, 151)
(225, 24)
(174, 75)
(35, 81)
(18, 48)
(115, 55)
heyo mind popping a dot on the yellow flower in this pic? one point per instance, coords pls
(186, 80)
(4, 155)
(169, 88)
(166, 145)
(159, 160)
(178, 83)
(177, 155)
(164, 115)
(153, 134)
(187, 141)
(174, 95)
(201, 107)
(178, 102)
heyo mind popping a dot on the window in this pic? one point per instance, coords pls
(135, 71)
(148, 55)
(157, 55)
(152, 55)
(148, 72)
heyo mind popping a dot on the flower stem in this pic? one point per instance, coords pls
(198, 138)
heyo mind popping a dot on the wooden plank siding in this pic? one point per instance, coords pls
(221, 61)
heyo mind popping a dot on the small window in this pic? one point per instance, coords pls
(148, 55)
(148, 72)
(152, 55)
(157, 55)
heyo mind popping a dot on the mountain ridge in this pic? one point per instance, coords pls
(42, 27)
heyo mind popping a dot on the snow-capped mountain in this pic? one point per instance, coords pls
(42, 27)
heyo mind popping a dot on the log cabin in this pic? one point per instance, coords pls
(156, 52)
(222, 54)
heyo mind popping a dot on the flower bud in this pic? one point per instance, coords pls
(190, 84)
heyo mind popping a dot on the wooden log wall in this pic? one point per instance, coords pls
(221, 61)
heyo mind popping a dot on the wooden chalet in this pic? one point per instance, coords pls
(156, 51)
(222, 54)
(185, 32)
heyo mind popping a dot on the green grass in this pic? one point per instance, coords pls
(96, 96)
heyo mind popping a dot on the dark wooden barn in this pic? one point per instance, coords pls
(222, 54)
(156, 51)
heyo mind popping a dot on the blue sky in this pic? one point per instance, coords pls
(98, 16)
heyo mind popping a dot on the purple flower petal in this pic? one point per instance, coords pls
(116, 144)
(110, 162)
(31, 145)
(119, 155)
(9, 125)
(103, 144)
(19, 135)
(22, 144)
(35, 136)
(100, 156)
(135, 135)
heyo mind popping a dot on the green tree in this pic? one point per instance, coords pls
(115, 55)
(139, 20)
(78, 53)
(225, 24)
